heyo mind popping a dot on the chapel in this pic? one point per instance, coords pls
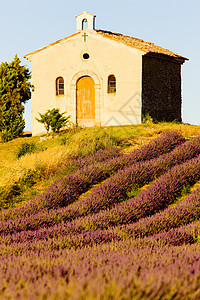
(103, 78)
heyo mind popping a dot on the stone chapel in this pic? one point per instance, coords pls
(102, 78)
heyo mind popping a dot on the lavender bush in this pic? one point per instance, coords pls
(156, 197)
(59, 193)
(43, 255)
(112, 191)
(115, 189)
(185, 212)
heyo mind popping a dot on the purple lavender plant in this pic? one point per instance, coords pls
(69, 188)
(183, 213)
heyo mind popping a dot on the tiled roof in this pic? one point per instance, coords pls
(138, 44)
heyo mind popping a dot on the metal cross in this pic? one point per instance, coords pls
(85, 37)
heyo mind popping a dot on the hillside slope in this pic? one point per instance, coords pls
(103, 213)
(21, 179)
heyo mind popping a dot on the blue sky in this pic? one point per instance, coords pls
(173, 24)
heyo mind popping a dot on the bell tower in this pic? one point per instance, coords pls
(85, 21)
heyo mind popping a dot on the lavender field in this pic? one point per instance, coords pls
(117, 226)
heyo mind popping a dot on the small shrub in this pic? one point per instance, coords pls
(53, 120)
(26, 147)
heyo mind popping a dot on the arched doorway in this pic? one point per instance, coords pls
(85, 101)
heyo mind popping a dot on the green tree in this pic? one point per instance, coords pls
(15, 91)
(11, 124)
(53, 120)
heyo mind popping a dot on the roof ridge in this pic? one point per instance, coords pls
(139, 44)
(117, 33)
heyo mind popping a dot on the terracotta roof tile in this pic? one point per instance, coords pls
(140, 44)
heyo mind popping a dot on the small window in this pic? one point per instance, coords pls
(60, 86)
(111, 84)
(86, 56)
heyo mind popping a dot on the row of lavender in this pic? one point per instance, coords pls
(178, 225)
(103, 197)
(156, 197)
(70, 187)
(116, 188)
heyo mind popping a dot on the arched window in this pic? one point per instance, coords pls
(59, 86)
(84, 24)
(111, 84)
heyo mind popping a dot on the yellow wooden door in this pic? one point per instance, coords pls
(85, 101)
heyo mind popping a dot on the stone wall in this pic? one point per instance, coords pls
(161, 88)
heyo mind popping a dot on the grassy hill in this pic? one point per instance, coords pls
(101, 213)
(22, 178)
